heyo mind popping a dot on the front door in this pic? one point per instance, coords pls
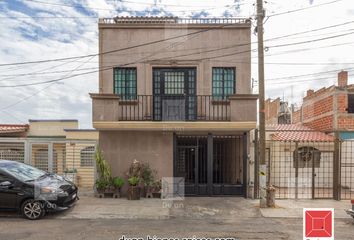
(174, 94)
(210, 165)
(191, 164)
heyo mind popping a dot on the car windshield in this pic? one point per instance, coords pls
(23, 172)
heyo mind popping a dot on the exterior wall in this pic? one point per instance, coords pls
(121, 148)
(327, 108)
(114, 36)
(85, 174)
(82, 134)
(297, 116)
(272, 111)
(318, 109)
(40, 128)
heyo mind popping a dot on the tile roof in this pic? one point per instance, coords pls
(13, 128)
(297, 132)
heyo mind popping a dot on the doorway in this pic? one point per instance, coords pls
(174, 94)
(211, 165)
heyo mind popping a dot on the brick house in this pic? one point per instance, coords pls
(181, 101)
(329, 109)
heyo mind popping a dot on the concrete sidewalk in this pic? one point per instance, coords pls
(213, 208)
(111, 208)
(294, 208)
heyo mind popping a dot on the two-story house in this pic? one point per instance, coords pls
(176, 93)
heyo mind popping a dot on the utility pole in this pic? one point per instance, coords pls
(262, 141)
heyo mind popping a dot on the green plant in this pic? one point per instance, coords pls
(67, 170)
(147, 175)
(157, 185)
(133, 181)
(104, 170)
(118, 182)
(102, 184)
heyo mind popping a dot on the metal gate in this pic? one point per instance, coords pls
(301, 170)
(211, 165)
(347, 169)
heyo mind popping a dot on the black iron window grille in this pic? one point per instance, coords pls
(223, 82)
(125, 83)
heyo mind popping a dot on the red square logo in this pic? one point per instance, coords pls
(318, 223)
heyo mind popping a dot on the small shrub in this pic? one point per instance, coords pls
(118, 182)
(102, 184)
(133, 181)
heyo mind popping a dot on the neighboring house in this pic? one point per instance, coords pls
(301, 161)
(184, 103)
(52, 145)
(277, 112)
(329, 109)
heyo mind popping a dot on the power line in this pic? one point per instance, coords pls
(304, 8)
(310, 41)
(60, 79)
(307, 49)
(162, 40)
(116, 50)
(37, 92)
(308, 74)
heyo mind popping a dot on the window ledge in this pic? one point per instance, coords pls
(128, 102)
(220, 102)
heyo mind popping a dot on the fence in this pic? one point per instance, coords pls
(71, 158)
(311, 169)
(172, 108)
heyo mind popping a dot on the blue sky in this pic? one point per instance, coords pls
(34, 30)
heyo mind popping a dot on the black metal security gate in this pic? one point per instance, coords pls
(211, 165)
(301, 170)
(174, 94)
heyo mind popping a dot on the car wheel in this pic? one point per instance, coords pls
(32, 209)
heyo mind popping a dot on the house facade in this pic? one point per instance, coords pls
(301, 161)
(179, 99)
(55, 145)
(329, 109)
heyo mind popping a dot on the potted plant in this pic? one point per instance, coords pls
(104, 183)
(101, 186)
(117, 183)
(156, 189)
(134, 188)
(147, 179)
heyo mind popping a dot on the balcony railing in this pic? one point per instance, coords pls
(174, 108)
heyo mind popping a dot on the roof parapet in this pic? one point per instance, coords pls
(173, 20)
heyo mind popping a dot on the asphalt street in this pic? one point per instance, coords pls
(51, 227)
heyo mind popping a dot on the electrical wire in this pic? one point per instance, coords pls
(304, 8)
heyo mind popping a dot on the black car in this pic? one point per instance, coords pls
(33, 192)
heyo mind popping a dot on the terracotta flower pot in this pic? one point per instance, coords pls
(133, 193)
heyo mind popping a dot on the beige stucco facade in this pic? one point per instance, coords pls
(171, 44)
(197, 50)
